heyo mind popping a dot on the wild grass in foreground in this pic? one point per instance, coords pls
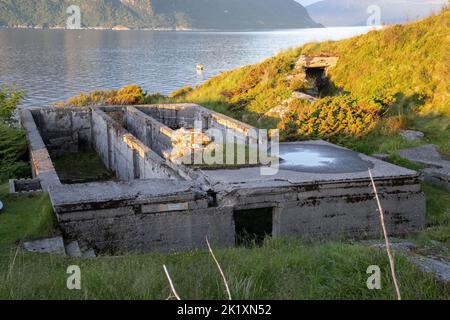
(280, 269)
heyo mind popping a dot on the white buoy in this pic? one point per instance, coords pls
(200, 67)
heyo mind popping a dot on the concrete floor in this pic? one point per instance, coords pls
(317, 158)
(312, 161)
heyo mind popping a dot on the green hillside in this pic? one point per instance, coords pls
(196, 14)
(384, 81)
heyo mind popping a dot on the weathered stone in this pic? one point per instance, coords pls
(439, 268)
(436, 171)
(406, 246)
(73, 249)
(49, 245)
(24, 186)
(90, 253)
(303, 96)
(278, 112)
(411, 135)
(316, 62)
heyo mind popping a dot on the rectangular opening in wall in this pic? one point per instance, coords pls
(316, 77)
(253, 226)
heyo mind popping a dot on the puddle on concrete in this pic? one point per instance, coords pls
(316, 158)
(307, 158)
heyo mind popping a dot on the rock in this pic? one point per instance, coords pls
(436, 171)
(73, 249)
(381, 156)
(426, 155)
(48, 245)
(316, 62)
(437, 176)
(90, 253)
(397, 246)
(411, 135)
(439, 268)
(303, 96)
(277, 112)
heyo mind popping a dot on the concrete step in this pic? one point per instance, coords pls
(47, 245)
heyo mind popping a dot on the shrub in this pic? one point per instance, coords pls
(13, 153)
(13, 146)
(131, 94)
(183, 91)
(330, 117)
(9, 99)
(128, 95)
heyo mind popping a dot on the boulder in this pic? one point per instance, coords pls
(411, 135)
(48, 245)
(277, 112)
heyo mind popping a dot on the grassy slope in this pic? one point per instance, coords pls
(281, 269)
(406, 62)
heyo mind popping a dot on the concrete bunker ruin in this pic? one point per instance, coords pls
(153, 202)
(315, 72)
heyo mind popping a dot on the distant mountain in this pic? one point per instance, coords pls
(155, 14)
(354, 12)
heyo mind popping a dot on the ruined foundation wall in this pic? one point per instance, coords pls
(177, 116)
(122, 153)
(64, 129)
(41, 163)
(355, 217)
(122, 230)
(338, 210)
(185, 115)
(152, 133)
(142, 215)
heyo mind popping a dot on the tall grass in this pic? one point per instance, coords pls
(279, 269)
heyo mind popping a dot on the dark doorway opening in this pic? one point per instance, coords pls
(317, 79)
(253, 226)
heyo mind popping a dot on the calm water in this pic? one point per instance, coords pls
(52, 65)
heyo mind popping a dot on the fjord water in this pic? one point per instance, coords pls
(52, 65)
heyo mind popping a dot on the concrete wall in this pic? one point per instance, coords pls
(337, 210)
(122, 153)
(121, 230)
(151, 132)
(41, 163)
(141, 215)
(64, 129)
(185, 115)
(177, 116)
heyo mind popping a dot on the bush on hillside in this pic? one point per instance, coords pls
(13, 145)
(330, 117)
(9, 99)
(128, 95)
(131, 94)
(13, 153)
(182, 92)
